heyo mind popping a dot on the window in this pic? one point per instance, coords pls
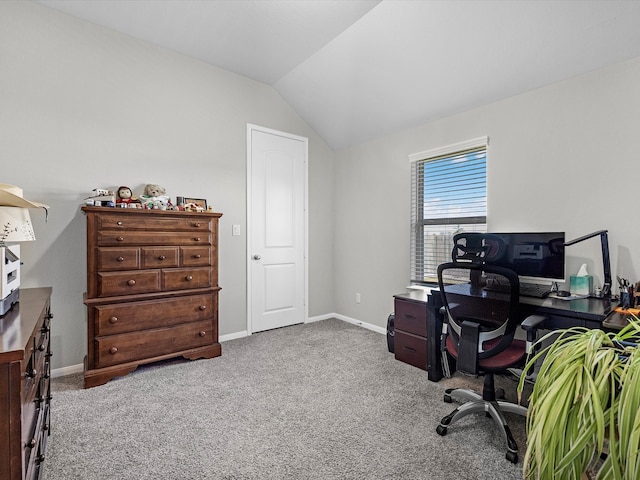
(448, 195)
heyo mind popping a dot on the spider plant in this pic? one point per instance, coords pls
(587, 391)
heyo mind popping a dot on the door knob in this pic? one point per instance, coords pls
(257, 257)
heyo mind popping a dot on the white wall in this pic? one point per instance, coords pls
(84, 107)
(561, 158)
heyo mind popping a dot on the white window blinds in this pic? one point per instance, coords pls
(448, 196)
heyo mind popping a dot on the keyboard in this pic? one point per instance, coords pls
(526, 289)
(535, 290)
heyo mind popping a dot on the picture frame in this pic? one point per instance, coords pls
(201, 202)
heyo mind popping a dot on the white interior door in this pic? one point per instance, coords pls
(277, 228)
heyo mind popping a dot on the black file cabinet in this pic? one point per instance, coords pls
(417, 331)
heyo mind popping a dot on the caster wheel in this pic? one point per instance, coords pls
(512, 457)
(440, 430)
(447, 398)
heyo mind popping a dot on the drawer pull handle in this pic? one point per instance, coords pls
(188, 278)
(113, 350)
(197, 256)
(42, 347)
(202, 307)
(120, 259)
(196, 225)
(410, 349)
(203, 333)
(410, 317)
(118, 222)
(32, 373)
(120, 239)
(32, 443)
(41, 458)
(196, 239)
(162, 257)
(131, 283)
(113, 319)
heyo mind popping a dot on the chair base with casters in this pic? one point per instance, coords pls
(479, 327)
(487, 403)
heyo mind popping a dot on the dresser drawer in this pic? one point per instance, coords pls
(140, 221)
(109, 238)
(135, 316)
(113, 258)
(196, 256)
(36, 364)
(186, 278)
(157, 257)
(130, 347)
(411, 317)
(128, 283)
(410, 349)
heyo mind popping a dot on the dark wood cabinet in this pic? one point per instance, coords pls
(152, 289)
(417, 331)
(25, 392)
(410, 331)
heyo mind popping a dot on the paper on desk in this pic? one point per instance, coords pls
(573, 296)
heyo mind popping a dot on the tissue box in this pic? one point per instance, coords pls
(581, 285)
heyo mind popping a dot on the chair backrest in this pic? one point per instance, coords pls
(480, 300)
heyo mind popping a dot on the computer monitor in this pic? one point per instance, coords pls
(537, 257)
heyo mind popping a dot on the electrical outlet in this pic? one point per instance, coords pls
(357, 298)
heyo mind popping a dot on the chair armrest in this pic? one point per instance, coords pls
(532, 322)
(452, 306)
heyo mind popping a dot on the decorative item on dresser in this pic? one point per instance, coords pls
(152, 289)
(25, 394)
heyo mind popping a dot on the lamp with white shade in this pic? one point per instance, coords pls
(15, 227)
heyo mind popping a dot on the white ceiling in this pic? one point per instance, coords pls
(359, 69)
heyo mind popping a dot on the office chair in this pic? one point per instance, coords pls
(481, 316)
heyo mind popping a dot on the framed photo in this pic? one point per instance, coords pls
(201, 202)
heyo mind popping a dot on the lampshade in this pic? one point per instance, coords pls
(15, 225)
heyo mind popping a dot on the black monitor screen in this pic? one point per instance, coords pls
(538, 255)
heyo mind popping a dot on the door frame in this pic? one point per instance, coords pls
(305, 168)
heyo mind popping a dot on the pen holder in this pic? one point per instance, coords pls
(626, 299)
(581, 285)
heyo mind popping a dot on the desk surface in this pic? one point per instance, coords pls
(589, 312)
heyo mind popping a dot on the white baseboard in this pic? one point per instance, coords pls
(344, 318)
(70, 370)
(79, 368)
(233, 336)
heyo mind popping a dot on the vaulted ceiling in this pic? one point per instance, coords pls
(359, 69)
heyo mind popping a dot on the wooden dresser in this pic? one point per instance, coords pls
(25, 394)
(152, 289)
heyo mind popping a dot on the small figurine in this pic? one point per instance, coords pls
(154, 197)
(193, 207)
(125, 195)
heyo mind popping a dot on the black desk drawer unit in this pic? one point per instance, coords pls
(410, 339)
(411, 349)
(417, 331)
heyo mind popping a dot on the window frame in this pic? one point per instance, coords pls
(418, 274)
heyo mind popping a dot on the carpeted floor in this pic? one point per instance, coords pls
(324, 400)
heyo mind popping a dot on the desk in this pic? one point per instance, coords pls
(584, 312)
